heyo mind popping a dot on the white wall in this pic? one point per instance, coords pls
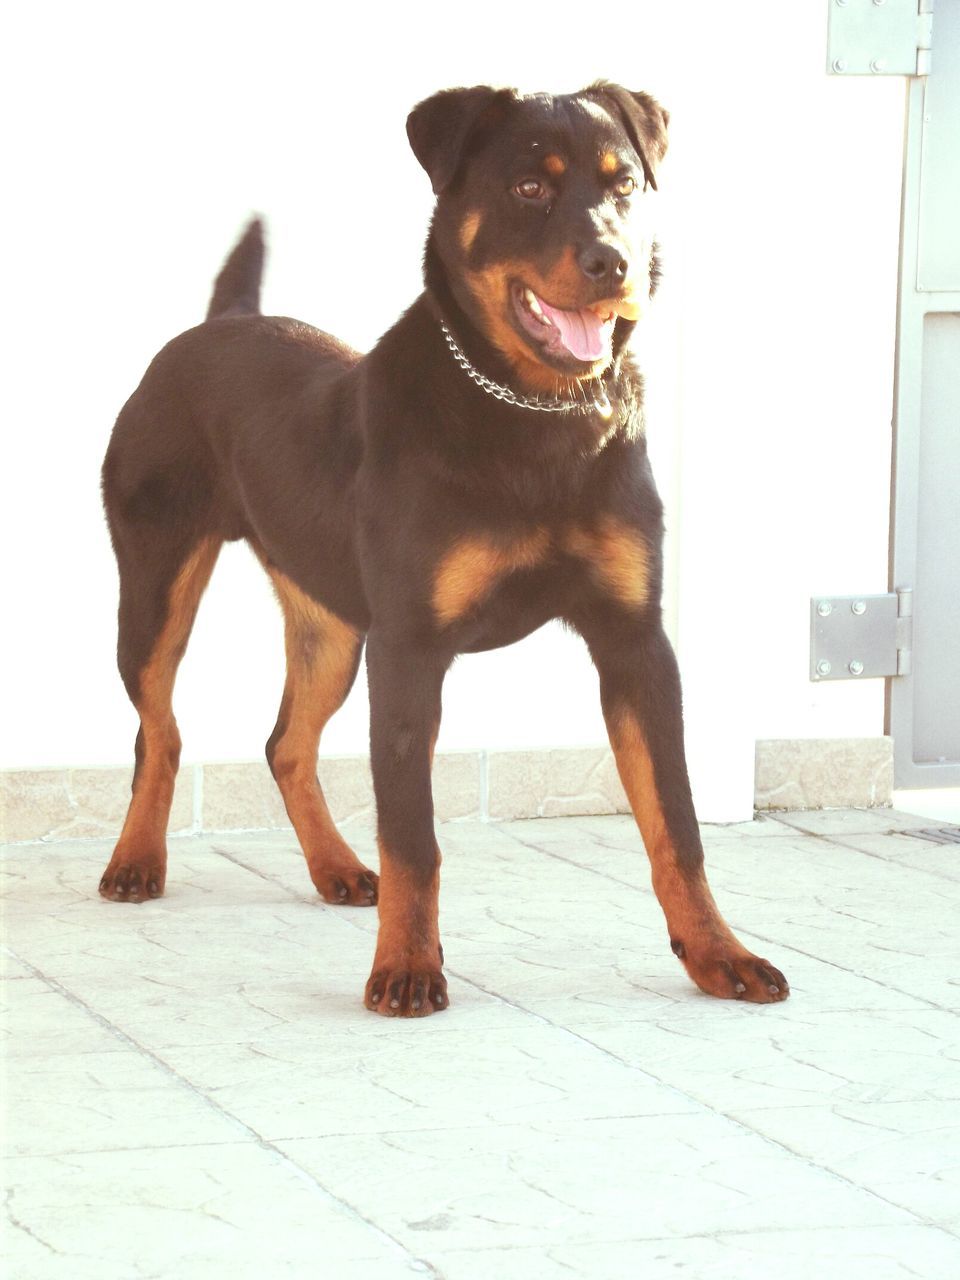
(145, 136)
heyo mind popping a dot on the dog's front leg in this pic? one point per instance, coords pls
(405, 685)
(640, 692)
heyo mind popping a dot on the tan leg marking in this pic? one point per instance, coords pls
(407, 978)
(138, 867)
(468, 572)
(716, 961)
(321, 654)
(618, 559)
(687, 904)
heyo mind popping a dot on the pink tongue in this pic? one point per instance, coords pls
(583, 333)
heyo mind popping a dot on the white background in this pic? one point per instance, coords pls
(140, 138)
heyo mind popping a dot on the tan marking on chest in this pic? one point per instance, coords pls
(618, 559)
(470, 570)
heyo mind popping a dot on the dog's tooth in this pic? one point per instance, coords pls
(532, 301)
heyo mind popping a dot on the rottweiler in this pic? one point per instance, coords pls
(481, 471)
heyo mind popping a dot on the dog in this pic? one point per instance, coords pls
(481, 471)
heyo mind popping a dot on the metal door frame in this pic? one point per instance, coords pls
(914, 304)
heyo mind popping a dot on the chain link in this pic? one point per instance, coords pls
(599, 403)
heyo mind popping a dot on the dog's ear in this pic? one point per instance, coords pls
(643, 118)
(441, 128)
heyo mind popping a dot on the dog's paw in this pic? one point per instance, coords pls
(410, 992)
(356, 887)
(721, 967)
(133, 880)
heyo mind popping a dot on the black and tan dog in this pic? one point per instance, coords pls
(481, 471)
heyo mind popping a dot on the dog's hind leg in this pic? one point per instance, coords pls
(323, 653)
(159, 596)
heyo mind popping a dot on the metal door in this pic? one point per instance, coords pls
(923, 708)
(923, 701)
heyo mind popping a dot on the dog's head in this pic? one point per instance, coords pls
(542, 225)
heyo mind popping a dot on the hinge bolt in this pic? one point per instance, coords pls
(856, 667)
(877, 64)
(823, 667)
(859, 607)
(839, 64)
(824, 608)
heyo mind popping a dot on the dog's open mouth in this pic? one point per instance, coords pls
(584, 335)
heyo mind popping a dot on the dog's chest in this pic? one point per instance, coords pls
(537, 570)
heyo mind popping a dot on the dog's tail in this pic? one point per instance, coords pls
(237, 289)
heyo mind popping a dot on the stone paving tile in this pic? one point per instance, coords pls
(343, 1083)
(906, 1152)
(193, 1089)
(938, 860)
(233, 1209)
(38, 1021)
(830, 1253)
(584, 1181)
(838, 822)
(748, 1059)
(75, 1102)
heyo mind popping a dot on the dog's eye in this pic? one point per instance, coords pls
(626, 187)
(531, 189)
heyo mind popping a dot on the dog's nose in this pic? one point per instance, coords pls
(604, 264)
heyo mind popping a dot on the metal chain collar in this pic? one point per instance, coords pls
(600, 402)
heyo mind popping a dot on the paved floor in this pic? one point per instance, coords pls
(194, 1090)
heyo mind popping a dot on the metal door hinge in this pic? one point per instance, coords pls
(879, 37)
(856, 637)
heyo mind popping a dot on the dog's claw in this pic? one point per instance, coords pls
(410, 994)
(125, 881)
(354, 888)
(720, 966)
